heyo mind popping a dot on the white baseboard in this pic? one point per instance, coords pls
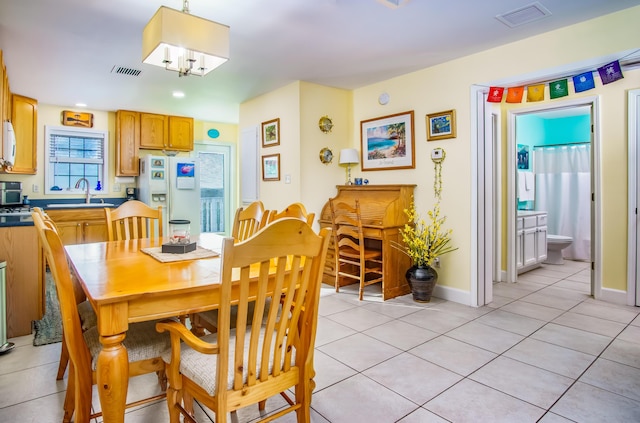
(452, 294)
(615, 296)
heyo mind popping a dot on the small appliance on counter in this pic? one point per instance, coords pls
(10, 193)
(132, 193)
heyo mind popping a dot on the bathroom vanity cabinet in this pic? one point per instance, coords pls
(531, 242)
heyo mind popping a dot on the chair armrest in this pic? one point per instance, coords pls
(180, 332)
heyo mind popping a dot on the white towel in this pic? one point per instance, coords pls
(526, 188)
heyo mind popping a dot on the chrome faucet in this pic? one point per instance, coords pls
(86, 184)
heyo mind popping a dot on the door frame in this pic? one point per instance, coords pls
(633, 225)
(596, 251)
(484, 258)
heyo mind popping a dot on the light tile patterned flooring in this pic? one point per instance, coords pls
(543, 351)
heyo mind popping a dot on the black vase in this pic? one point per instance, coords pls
(422, 280)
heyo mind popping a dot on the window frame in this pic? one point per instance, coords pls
(79, 132)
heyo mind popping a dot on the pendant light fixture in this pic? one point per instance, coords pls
(184, 43)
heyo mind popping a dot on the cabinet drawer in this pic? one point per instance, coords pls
(542, 220)
(529, 222)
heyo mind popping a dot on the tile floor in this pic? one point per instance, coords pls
(543, 351)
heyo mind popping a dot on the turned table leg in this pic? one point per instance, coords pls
(113, 378)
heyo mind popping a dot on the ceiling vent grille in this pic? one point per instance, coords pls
(524, 15)
(120, 70)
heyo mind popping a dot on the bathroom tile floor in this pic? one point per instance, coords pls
(542, 351)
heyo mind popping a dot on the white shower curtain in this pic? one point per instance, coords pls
(563, 189)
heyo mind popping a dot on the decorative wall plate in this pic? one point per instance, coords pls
(325, 124)
(326, 155)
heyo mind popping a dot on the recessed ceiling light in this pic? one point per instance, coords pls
(81, 105)
(178, 94)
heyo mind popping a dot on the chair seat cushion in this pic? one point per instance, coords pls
(88, 318)
(142, 342)
(202, 368)
(211, 316)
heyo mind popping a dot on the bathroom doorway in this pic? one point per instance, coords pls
(554, 145)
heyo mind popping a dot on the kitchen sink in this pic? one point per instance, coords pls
(78, 205)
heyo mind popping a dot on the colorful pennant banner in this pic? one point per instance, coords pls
(609, 73)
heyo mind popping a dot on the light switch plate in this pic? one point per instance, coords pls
(436, 153)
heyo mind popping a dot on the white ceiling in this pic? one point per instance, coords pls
(63, 52)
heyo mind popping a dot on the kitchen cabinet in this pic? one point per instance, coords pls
(20, 249)
(180, 133)
(24, 116)
(136, 130)
(531, 242)
(80, 226)
(154, 131)
(127, 143)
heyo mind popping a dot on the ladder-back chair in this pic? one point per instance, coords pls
(133, 219)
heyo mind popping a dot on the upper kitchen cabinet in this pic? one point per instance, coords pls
(24, 116)
(154, 131)
(127, 143)
(180, 133)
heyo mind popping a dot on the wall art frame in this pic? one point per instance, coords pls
(441, 125)
(388, 142)
(271, 133)
(81, 119)
(271, 167)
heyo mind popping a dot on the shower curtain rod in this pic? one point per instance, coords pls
(561, 145)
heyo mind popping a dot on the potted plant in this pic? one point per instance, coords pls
(423, 242)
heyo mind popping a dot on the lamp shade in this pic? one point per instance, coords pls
(177, 41)
(349, 156)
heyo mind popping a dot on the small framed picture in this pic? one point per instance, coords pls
(157, 163)
(271, 133)
(441, 125)
(81, 119)
(271, 167)
(157, 174)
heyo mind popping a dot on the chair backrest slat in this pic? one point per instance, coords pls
(131, 220)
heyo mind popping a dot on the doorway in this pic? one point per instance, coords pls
(553, 147)
(216, 186)
(633, 245)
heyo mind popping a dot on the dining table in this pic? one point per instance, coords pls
(128, 282)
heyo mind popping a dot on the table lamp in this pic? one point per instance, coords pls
(349, 156)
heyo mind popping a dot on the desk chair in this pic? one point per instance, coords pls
(133, 219)
(354, 261)
(296, 210)
(143, 343)
(88, 318)
(249, 220)
(238, 367)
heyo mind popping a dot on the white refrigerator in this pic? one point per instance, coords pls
(174, 184)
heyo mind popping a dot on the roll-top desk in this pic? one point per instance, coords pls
(382, 208)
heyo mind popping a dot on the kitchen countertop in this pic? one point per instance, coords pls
(27, 220)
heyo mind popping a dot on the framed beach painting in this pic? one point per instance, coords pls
(441, 125)
(388, 142)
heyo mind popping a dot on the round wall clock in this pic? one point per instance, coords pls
(325, 124)
(326, 155)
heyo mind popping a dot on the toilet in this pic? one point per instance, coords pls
(555, 245)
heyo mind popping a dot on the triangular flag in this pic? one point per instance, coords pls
(610, 72)
(558, 89)
(535, 92)
(495, 94)
(514, 94)
(584, 82)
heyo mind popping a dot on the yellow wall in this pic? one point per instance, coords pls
(299, 106)
(447, 86)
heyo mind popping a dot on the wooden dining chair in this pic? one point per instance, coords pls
(133, 219)
(296, 210)
(355, 262)
(264, 356)
(88, 318)
(143, 343)
(247, 221)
